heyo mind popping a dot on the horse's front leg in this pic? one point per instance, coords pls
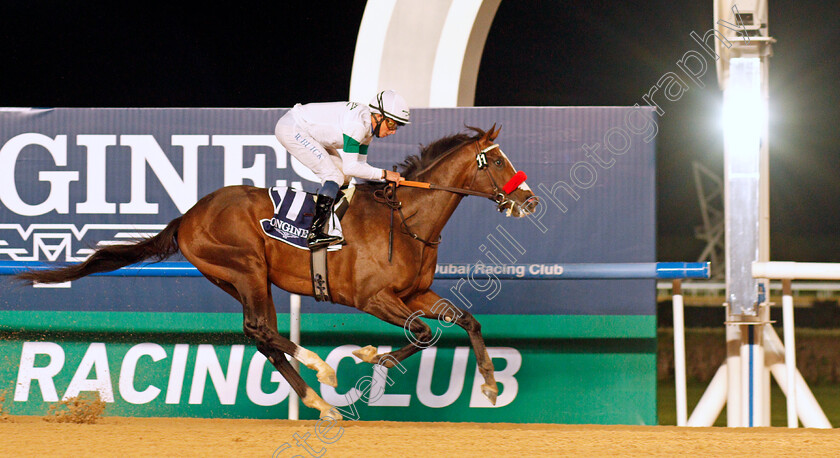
(432, 305)
(386, 306)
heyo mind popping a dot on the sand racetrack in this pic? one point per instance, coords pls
(182, 437)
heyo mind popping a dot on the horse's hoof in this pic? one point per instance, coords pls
(332, 413)
(328, 378)
(366, 354)
(314, 401)
(491, 392)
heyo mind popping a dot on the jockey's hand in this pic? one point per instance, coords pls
(393, 176)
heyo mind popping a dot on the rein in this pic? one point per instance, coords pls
(436, 187)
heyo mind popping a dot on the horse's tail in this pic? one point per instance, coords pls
(112, 257)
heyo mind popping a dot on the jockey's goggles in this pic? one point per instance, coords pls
(392, 125)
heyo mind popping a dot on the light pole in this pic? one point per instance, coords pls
(743, 63)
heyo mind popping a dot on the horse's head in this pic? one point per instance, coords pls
(472, 165)
(497, 177)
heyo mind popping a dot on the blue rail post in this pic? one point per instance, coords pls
(584, 271)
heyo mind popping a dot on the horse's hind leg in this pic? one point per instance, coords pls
(264, 324)
(260, 324)
(309, 397)
(263, 329)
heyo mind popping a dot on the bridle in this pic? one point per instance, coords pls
(388, 196)
(497, 195)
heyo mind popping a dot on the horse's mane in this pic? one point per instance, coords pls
(414, 165)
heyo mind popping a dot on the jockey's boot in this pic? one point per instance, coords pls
(318, 237)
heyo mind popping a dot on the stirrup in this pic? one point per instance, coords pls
(327, 240)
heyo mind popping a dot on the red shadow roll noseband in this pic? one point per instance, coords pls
(499, 195)
(514, 182)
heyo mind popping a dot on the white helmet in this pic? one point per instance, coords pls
(391, 105)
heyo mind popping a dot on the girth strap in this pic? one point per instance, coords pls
(320, 277)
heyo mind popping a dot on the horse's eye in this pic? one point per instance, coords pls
(498, 162)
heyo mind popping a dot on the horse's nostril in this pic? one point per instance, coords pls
(531, 203)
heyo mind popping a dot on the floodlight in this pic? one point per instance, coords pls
(744, 110)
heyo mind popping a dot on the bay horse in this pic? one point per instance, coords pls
(222, 237)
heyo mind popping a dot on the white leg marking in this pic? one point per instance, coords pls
(326, 374)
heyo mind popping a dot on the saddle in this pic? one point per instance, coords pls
(293, 213)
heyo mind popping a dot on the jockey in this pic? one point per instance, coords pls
(314, 132)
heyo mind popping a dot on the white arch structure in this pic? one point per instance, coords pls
(429, 51)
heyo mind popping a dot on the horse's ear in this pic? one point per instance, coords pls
(493, 133)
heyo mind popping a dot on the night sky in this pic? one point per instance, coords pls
(538, 53)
